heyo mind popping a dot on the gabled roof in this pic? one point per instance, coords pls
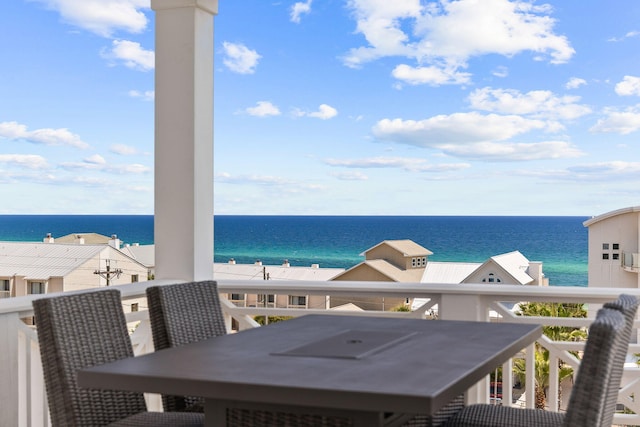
(40, 261)
(406, 247)
(144, 254)
(389, 270)
(514, 264)
(448, 272)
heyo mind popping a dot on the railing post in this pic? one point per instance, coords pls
(11, 390)
(473, 308)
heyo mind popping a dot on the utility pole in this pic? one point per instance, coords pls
(106, 274)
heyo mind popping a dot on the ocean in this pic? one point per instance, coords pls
(560, 242)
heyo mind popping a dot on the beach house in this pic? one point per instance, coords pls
(28, 268)
(614, 249)
(407, 261)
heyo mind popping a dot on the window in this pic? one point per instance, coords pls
(270, 299)
(616, 246)
(605, 246)
(296, 300)
(237, 297)
(492, 278)
(615, 256)
(134, 306)
(134, 278)
(605, 256)
(5, 288)
(36, 288)
(413, 262)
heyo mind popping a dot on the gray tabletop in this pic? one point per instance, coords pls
(341, 362)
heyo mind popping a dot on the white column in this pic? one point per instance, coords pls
(184, 138)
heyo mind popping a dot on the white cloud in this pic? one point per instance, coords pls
(300, 8)
(123, 150)
(350, 176)
(629, 85)
(431, 75)
(490, 27)
(510, 151)
(405, 163)
(324, 112)
(536, 103)
(455, 128)
(15, 131)
(96, 159)
(622, 122)
(147, 95)
(263, 109)
(239, 58)
(628, 35)
(98, 163)
(575, 82)
(377, 162)
(29, 161)
(102, 17)
(131, 54)
(606, 170)
(501, 71)
(475, 136)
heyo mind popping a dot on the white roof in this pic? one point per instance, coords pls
(222, 271)
(611, 214)
(448, 272)
(144, 254)
(516, 264)
(40, 261)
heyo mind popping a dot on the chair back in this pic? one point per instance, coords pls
(181, 314)
(628, 306)
(599, 373)
(79, 331)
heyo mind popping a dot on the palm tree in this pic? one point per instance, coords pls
(556, 333)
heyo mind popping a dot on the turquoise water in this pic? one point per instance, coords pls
(337, 241)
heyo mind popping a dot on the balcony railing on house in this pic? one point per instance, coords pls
(631, 261)
(23, 396)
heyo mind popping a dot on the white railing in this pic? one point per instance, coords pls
(23, 396)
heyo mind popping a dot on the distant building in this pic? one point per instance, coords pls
(614, 249)
(258, 271)
(406, 261)
(37, 268)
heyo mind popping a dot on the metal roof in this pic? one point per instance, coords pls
(515, 264)
(222, 271)
(448, 272)
(44, 260)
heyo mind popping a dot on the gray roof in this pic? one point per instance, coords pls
(222, 271)
(40, 261)
(144, 254)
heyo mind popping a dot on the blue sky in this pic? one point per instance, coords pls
(354, 107)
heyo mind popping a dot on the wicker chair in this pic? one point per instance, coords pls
(188, 312)
(593, 397)
(83, 330)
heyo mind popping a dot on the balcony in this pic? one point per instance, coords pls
(631, 262)
(23, 395)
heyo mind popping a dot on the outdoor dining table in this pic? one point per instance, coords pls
(366, 367)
